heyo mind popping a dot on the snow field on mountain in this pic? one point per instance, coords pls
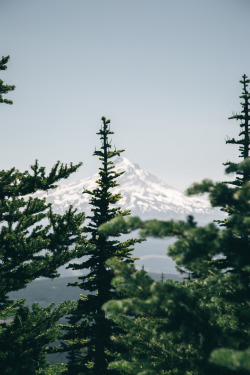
(147, 197)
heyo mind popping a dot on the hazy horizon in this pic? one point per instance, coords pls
(165, 72)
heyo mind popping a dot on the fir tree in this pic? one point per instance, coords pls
(30, 249)
(233, 243)
(34, 242)
(4, 89)
(91, 332)
(25, 341)
(177, 328)
(244, 141)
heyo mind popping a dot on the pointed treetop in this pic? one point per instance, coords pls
(4, 89)
(244, 140)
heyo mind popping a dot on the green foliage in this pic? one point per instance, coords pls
(120, 224)
(24, 341)
(153, 228)
(4, 89)
(34, 242)
(52, 370)
(244, 119)
(195, 245)
(29, 249)
(232, 359)
(176, 328)
(172, 327)
(89, 334)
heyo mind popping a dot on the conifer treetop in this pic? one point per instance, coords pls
(244, 140)
(102, 196)
(90, 333)
(4, 89)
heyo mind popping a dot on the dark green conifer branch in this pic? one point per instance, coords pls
(23, 338)
(34, 242)
(4, 89)
(244, 141)
(244, 118)
(175, 328)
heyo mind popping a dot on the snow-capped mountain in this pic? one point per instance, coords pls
(146, 196)
(142, 193)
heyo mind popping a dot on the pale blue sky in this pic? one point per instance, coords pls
(166, 72)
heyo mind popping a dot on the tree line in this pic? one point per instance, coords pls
(127, 323)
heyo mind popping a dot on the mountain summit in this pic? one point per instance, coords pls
(147, 197)
(142, 193)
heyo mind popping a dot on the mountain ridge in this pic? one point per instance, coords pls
(144, 194)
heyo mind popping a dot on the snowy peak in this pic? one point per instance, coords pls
(146, 195)
(133, 171)
(142, 193)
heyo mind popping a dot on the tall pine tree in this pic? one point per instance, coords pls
(176, 328)
(90, 334)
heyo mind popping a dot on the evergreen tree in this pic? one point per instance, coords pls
(4, 89)
(244, 141)
(177, 328)
(34, 242)
(25, 341)
(90, 333)
(234, 241)
(30, 249)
